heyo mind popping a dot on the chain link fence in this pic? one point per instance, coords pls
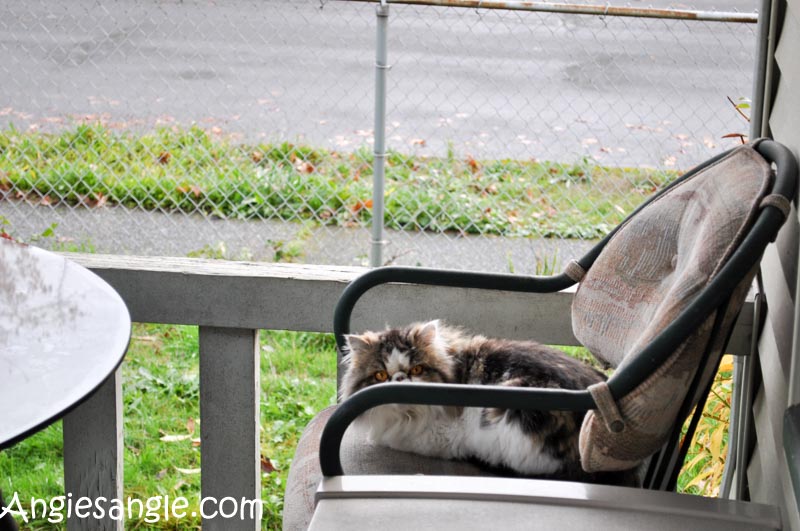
(244, 129)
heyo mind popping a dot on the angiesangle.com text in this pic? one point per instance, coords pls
(150, 510)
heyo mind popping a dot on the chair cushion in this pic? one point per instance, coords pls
(648, 273)
(358, 456)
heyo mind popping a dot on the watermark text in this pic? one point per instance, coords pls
(150, 510)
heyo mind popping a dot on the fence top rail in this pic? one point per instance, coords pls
(580, 9)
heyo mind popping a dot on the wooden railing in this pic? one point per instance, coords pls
(230, 302)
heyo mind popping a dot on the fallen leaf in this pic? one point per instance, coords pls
(146, 338)
(196, 442)
(361, 205)
(161, 474)
(303, 166)
(256, 156)
(193, 188)
(174, 438)
(135, 451)
(188, 470)
(190, 425)
(418, 142)
(164, 156)
(266, 465)
(473, 164)
(94, 201)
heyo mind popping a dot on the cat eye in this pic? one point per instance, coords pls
(381, 376)
(416, 370)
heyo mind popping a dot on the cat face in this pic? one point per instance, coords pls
(417, 353)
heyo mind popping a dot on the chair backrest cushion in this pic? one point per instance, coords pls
(646, 275)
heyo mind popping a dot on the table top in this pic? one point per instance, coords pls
(63, 331)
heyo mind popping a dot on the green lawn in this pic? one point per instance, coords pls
(189, 170)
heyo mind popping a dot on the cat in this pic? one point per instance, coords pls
(522, 442)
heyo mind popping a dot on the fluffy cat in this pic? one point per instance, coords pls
(528, 443)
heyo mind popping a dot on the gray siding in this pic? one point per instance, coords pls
(767, 473)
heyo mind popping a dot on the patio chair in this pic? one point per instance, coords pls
(657, 299)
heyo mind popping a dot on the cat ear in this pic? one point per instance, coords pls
(355, 342)
(429, 331)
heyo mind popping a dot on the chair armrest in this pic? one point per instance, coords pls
(436, 277)
(545, 399)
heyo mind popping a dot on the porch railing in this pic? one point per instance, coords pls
(231, 302)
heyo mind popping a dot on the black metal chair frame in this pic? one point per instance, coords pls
(664, 466)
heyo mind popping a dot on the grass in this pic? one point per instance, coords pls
(161, 423)
(189, 170)
(705, 461)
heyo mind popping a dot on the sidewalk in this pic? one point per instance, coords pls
(117, 230)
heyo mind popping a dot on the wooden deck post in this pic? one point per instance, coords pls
(93, 453)
(229, 423)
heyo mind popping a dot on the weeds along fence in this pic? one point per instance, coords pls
(509, 135)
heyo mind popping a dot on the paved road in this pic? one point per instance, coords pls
(489, 83)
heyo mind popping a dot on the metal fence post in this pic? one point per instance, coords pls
(762, 81)
(378, 165)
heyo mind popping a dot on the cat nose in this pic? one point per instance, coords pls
(399, 377)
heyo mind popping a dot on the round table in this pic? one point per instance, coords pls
(63, 331)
